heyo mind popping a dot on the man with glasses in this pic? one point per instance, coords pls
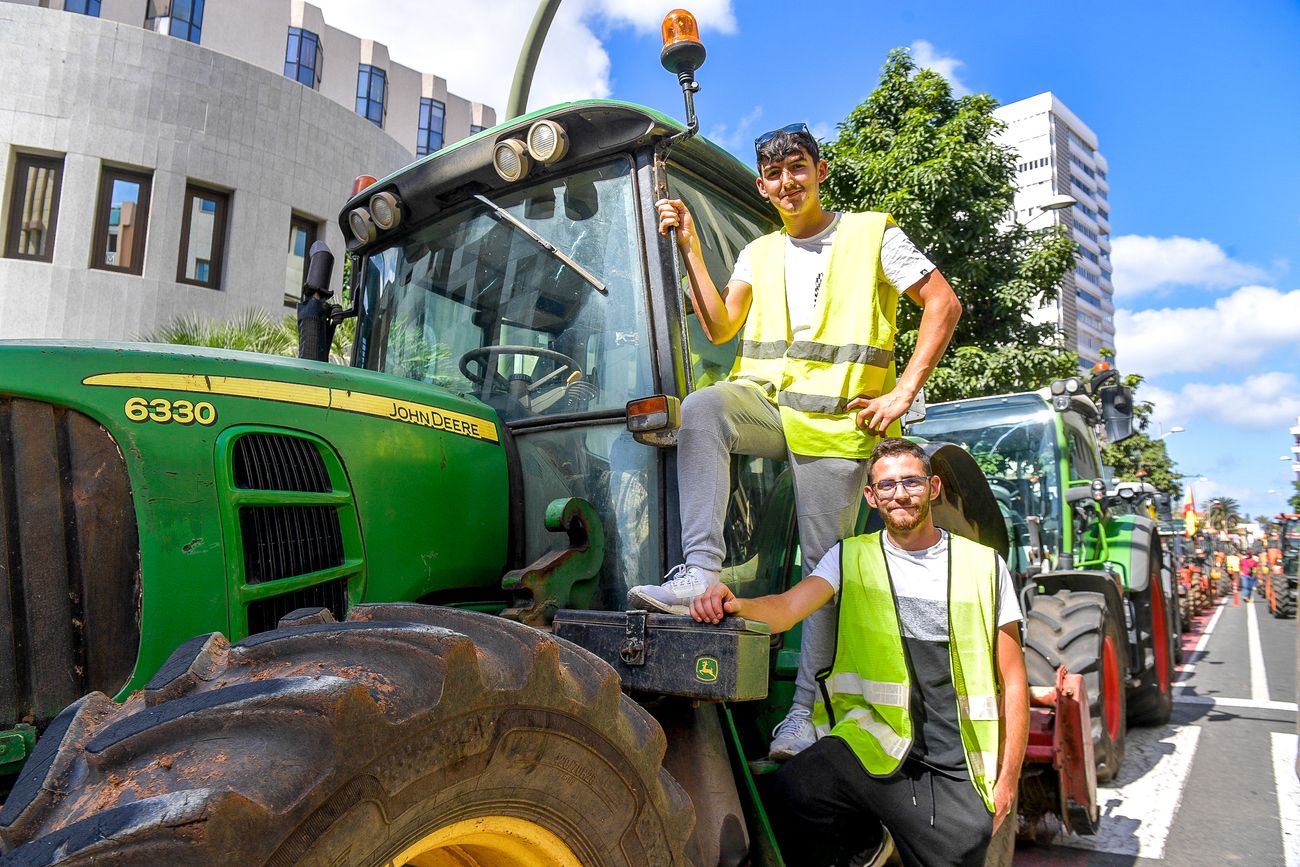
(814, 380)
(923, 714)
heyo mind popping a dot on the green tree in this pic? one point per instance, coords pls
(1223, 514)
(1142, 458)
(254, 330)
(1294, 501)
(914, 150)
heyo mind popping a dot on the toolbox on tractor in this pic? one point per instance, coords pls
(673, 655)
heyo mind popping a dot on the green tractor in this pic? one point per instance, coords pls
(1098, 596)
(275, 611)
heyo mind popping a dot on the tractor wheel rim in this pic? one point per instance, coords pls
(488, 841)
(1160, 634)
(1110, 676)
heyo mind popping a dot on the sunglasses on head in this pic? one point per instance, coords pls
(792, 128)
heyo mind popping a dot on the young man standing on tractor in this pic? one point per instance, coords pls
(813, 380)
(924, 711)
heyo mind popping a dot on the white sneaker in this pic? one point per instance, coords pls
(793, 735)
(878, 857)
(674, 595)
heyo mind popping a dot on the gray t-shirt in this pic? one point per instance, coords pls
(920, 580)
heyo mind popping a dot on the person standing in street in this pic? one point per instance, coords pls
(1248, 565)
(923, 715)
(813, 379)
(1232, 562)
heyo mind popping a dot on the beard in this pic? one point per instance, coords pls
(908, 522)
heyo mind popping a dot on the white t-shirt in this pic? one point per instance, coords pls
(805, 270)
(921, 587)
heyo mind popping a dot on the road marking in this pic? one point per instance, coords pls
(1137, 810)
(1258, 676)
(1288, 794)
(1199, 649)
(1181, 696)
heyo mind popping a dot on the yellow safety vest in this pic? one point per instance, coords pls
(850, 351)
(868, 687)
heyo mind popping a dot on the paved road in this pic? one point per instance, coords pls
(1218, 784)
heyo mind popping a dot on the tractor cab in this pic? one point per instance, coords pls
(533, 280)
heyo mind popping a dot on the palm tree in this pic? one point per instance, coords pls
(1223, 514)
(254, 330)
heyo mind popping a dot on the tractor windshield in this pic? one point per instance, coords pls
(475, 303)
(1013, 439)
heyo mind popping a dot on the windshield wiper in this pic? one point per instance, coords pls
(546, 245)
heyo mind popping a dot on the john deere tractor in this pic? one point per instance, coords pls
(275, 611)
(1094, 583)
(1280, 589)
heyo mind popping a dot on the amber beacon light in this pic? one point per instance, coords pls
(683, 53)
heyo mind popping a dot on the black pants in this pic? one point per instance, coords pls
(825, 809)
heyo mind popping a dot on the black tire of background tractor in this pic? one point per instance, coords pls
(1151, 702)
(1284, 594)
(346, 743)
(1070, 628)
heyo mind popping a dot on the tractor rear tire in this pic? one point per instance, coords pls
(1152, 701)
(1077, 629)
(1284, 597)
(409, 734)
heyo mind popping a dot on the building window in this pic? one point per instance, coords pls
(121, 221)
(34, 207)
(371, 84)
(203, 237)
(1088, 298)
(302, 234)
(180, 18)
(432, 115)
(84, 7)
(475, 129)
(303, 57)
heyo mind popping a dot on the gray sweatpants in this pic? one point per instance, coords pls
(729, 418)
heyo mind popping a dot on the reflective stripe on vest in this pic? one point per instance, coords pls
(868, 687)
(851, 350)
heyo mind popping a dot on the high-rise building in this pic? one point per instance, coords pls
(168, 158)
(1056, 156)
(1295, 449)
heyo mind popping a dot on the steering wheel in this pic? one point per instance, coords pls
(485, 356)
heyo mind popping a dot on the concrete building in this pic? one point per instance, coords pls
(1295, 449)
(162, 158)
(1057, 156)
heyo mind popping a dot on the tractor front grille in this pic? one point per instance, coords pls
(69, 561)
(273, 462)
(284, 541)
(265, 613)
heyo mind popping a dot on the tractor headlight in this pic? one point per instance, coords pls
(511, 160)
(362, 225)
(547, 141)
(385, 211)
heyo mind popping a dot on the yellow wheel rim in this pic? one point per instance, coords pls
(488, 841)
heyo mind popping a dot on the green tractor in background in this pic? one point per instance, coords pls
(1097, 592)
(276, 611)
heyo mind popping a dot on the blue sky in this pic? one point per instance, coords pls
(1194, 105)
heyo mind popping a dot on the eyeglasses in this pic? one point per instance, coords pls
(911, 484)
(793, 129)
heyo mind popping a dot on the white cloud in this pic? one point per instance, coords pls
(475, 45)
(1260, 402)
(1143, 262)
(1237, 331)
(824, 131)
(738, 138)
(928, 57)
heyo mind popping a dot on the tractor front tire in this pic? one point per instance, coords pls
(1151, 702)
(410, 734)
(1077, 629)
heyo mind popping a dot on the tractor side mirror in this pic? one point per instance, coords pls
(1117, 412)
(316, 314)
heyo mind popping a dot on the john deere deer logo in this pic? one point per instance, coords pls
(706, 669)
